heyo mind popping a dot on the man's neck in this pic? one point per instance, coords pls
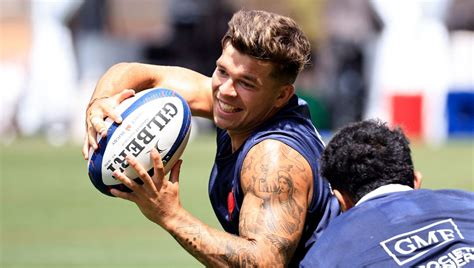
(237, 139)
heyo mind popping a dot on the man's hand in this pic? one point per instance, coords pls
(98, 109)
(157, 197)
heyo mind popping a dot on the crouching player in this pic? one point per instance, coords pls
(388, 221)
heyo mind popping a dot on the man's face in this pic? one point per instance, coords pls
(244, 93)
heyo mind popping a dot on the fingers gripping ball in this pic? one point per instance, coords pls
(157, 118)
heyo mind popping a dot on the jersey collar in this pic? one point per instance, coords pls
(389, 188)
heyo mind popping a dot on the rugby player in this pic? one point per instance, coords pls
(264, 187)
(388, 221)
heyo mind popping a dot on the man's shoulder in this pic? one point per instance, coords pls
(422, 194)
(451, 192)
(272, 150)
(297, 133)
(441, 197)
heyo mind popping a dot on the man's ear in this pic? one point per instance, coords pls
(345, 201)
(286, 91)
(418, 179)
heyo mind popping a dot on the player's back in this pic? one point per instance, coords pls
(421, 228)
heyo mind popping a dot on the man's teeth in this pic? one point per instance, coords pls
(227, 108)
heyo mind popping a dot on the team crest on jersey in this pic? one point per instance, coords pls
(409, 246)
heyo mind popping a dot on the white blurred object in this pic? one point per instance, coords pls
(12, 76)
(412, 58)
(462, 60)
(52, 81)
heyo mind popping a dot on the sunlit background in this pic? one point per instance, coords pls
(408, 62)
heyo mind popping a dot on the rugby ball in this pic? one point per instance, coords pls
(155, 117)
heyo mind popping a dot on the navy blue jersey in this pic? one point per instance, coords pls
(291, 125)
(418, 228)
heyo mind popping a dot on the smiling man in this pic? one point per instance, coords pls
(264, 187)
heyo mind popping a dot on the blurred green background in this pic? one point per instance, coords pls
(52, 216)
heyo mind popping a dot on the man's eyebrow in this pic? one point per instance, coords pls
(248, 77)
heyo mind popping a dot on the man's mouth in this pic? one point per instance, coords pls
(227, 107)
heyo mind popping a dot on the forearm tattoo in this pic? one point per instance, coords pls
(242, 256)
(219, 249)
(191, 236)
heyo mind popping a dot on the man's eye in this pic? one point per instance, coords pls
(221, 72)
(246, 85)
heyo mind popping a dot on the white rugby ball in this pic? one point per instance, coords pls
(155, 117)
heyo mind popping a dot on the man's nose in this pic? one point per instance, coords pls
(227, 88)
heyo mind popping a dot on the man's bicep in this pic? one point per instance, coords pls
(276, 181)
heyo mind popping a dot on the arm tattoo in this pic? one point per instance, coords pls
(271, 217)
(278, 182)
(243, 257)
(282, 245)
(275, 186)
(216, 248)
(191, 237)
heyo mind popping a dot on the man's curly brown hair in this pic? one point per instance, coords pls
(270, 37)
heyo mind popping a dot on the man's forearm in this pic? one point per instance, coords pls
(218, 248)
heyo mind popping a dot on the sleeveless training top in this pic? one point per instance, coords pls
(291, 125)
(418, 228)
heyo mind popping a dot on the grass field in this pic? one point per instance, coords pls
(51, 216)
